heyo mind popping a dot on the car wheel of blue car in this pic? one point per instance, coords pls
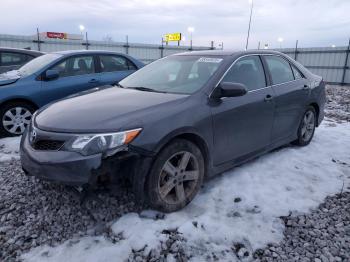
(15, 117)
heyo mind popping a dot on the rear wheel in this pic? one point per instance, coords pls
(307, 127)
(14, 118)
(176, 176)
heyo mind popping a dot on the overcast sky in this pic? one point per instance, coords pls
(313, 22)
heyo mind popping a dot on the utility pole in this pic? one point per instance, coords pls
(250, 21)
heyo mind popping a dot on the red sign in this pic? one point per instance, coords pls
(56, 35)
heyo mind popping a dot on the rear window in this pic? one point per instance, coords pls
(296, 72)
(10, 58)
(112, 63)
(280, 69)
(248, 71)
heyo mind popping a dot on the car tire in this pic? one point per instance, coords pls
(172, 183)
(307, 127)
(24, 110)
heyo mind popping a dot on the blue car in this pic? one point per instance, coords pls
(54, 76)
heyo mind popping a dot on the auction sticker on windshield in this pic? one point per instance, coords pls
(209, 60)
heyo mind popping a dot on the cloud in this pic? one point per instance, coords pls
(313, 23)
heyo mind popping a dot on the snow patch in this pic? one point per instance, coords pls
(9, 148)
(242, 205)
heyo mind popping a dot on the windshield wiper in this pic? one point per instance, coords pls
(147, 89)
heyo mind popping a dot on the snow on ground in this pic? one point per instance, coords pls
(9, 148)
(243, 205)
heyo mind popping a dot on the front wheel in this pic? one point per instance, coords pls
(14, 118)
(176, 176)
(307, 127)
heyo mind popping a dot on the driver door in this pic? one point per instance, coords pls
(76, 74)
(242, 125)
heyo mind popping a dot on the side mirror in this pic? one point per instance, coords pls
(51, 74)
(229, 89)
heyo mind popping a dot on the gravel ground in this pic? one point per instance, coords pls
(34, 213)
(338, 103)
(324, 234)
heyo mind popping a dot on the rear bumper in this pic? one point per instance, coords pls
(71, 168)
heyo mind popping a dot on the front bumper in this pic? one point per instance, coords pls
(71, 168)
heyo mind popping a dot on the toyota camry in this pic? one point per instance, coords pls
(175, 122)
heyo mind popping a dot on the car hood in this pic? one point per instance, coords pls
(9, 77)
(108, 110)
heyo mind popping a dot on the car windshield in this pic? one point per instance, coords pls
(175, 74)
(37, 63)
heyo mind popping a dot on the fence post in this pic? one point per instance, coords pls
(127, 45)
(296, 51)
(212, 45)
(38, 36)
(162, 49)
(87, 42)
(38, 41)
(345, 64)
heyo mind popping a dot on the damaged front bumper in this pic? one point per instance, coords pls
(74, 169)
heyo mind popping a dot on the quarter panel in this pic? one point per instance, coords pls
(291, 101)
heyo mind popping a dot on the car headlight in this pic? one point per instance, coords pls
(91, 144)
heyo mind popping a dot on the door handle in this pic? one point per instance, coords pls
(93, 81)
(268, 98)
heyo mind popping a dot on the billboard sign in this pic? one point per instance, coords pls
(174, 37)
(56, 35)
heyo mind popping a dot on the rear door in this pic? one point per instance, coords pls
(76, 74)
(291, 96)
(114, 68)
(242, 125)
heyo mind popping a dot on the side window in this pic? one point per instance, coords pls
(110, 63)
(73, 66)
(9, 59)
(297, 74)
(280, 69)
(248, 71)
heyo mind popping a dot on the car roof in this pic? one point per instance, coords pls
(20, 50)
(72, 52)
(229, 52)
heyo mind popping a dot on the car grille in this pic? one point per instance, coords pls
(48, 145)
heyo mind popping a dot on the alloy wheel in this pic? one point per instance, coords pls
(308, 126)
(178, 177)
(16, 119)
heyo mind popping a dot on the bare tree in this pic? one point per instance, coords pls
(107, 38)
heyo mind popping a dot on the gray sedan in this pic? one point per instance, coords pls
(175, 122)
